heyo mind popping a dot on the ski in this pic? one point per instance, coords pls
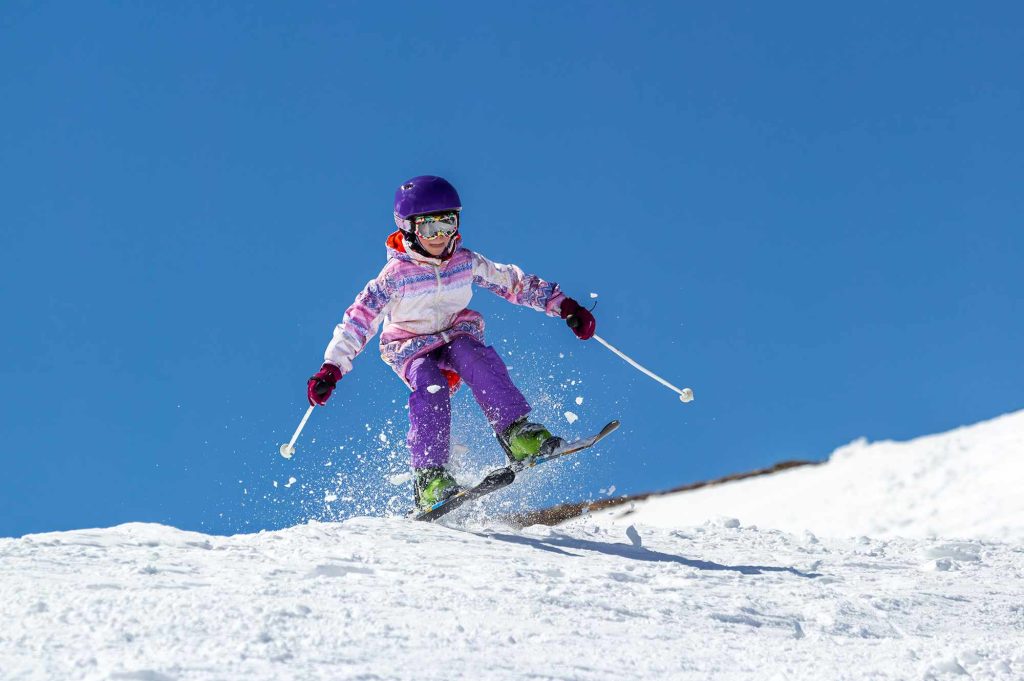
(492, 482)
(502, 477)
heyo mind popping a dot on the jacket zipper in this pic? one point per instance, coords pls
(437, 299)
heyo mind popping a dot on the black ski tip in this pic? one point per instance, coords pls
(499, 477)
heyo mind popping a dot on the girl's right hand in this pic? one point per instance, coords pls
(321, 384)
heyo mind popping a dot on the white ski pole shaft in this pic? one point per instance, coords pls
(685, 395)
(288, 449)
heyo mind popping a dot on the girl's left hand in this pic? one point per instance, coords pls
(579, 319)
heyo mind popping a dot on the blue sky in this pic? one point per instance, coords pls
(810, 215)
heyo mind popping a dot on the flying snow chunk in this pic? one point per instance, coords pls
(329, 497)
(579, 401)
(571, 417)
(400, 478)
(383, 438)
(433, 389)
(593, 295)
(291, 481)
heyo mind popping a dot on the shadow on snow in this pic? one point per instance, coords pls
(559, 544)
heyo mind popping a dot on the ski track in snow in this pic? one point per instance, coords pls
(387, 598)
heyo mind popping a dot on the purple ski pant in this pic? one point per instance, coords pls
(430, 413)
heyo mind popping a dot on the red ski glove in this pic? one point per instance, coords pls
(578, 318)
(321, 384)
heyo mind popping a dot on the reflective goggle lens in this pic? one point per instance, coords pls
(431, 226)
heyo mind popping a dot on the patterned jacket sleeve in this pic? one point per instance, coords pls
(512, 284)
(361, 321)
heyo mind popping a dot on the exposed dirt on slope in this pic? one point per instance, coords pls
(559, 514)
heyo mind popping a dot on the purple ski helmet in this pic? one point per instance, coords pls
(424, 194)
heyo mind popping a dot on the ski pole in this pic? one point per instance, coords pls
(685, 395)
(288, 449)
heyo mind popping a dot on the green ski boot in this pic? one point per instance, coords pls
(524, 440)
(433, 484)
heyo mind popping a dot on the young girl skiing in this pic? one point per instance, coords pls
(433, 341)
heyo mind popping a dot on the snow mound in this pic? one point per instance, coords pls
(393, 599)
(965, 483)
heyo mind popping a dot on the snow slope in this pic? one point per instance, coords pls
(374, 598)
(606, 596)
(966, 483)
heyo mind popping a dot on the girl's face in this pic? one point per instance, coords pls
(434, 246)
(434, 231)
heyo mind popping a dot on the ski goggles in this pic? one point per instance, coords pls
(435, 225)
